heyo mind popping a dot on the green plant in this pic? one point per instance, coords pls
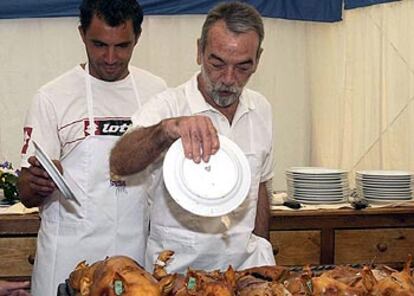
(8, 182)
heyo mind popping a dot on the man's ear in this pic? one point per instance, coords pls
(199, 52)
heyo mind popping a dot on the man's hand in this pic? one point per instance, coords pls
(35, 184)
(198, 135)
(14, 288)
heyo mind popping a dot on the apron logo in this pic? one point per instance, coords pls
(108, 127)
(118, 182)
(27, 131)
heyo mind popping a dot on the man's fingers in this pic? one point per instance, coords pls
(199, 137)
(210, 141)
(196, 142)
(206, 148)
(33, 161)
(187, 146)
(38, 172)
(38, 178)
(206, 143)
(42, 190)
(215, 143)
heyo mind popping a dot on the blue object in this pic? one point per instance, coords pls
(310, 10)
(349, 4)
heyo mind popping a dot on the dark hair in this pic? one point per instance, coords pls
(113, 12)
(239, 18)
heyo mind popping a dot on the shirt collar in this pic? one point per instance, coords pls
(198, 104)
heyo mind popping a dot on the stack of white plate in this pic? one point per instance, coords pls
(384, 186)
(315, 185)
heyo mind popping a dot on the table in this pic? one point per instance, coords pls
(17, 245)
(345, 236)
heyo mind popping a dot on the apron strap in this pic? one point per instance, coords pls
(89, 101)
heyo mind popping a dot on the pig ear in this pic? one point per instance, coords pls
(82, 265)
(119, 275)
(167, 284)
(407, 265)
(230, 276)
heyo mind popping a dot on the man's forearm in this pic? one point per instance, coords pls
(137, 149)
(263, 213)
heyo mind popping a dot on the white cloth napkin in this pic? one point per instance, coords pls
(17, 208)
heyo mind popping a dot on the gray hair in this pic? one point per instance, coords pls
(239, 18)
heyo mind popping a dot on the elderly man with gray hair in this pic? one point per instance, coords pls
(214, 101)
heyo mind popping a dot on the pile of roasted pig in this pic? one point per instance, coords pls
(120, 275)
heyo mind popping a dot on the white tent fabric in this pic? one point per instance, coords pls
(362, 91)
(341, 93)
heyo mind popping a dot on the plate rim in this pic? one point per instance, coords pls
(385, 173)
(316, 171)
(189, 201)
(53, 172)
(321, 202)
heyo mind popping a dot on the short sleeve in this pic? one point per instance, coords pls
(267, 171)
(40, 125)
(267, 165)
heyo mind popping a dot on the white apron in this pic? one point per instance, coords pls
(109, 220)
(204, 242)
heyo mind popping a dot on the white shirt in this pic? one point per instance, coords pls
(58, 115)
(251, 130)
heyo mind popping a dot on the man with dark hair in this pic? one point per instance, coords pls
(77, 118)
(213, 101)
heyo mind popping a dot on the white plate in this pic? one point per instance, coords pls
(318, 190)
(315, 171)
(320, 202)
(208, 189)
(385, 173)
(315, 177)
(317, 196)
(53, 172)
(385, 196)
(319, 181)
(382, 201)
(384, 184)
(319, 199)
(385, 190)
(383, 179)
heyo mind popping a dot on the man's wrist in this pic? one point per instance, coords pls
(164, 135)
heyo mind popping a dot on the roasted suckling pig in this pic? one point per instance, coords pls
(117, 275)
(120, 275)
